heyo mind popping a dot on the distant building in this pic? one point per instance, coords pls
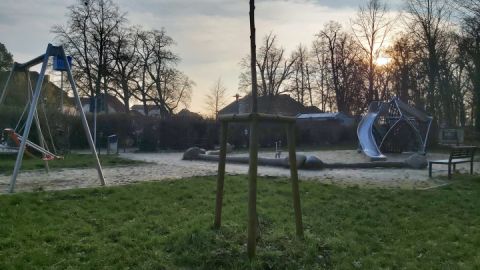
(339, 117)
(280, 105)
(153, 110)
(105, 103)
(186, 114)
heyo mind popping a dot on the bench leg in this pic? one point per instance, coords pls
(430, 170)
(449, 171)
(454, 168)
(471, 167)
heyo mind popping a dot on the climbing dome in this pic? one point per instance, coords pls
(399, 127)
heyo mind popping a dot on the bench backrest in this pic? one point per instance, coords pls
(462, 152)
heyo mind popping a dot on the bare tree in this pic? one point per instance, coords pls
(216, 98)
(144, 85)
(300, 82)
(6, 58)
(345, 68)
(272, 65)
(406, 67)
(429, 19)
(470, 49)
(88, 35)
(371, 27)
(171, 87)
(125, 65)
(321, 74)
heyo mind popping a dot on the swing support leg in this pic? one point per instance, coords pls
(28, 125)
(84, 120)
(37, 121)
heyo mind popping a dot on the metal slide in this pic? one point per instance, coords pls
(366, 138)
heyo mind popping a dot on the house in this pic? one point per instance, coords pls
(105, 103)
(153, 110)
(186, 114)
(326, 128)
(280, 105)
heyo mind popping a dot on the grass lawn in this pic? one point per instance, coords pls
(167, 225)
(70, 161)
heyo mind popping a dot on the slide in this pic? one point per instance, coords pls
(366, 139)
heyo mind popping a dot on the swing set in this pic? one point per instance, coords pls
(13, 142)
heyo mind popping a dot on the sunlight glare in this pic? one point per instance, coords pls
(382, 61)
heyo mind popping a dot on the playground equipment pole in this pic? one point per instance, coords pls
(41, 139)
(84, 120)
(28, 125)
(61, 92)
(4, 92)
(32, 114)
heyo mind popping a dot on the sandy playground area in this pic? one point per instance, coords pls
(169, 166)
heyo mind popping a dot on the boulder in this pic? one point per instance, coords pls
(416, 161)
(193, 153)
(313, 163)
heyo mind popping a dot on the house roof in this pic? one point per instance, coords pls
(112, 101)
(336, 115)
(150, 107)
(280, 104)
(184, 113)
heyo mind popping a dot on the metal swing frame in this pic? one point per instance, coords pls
(52, 51)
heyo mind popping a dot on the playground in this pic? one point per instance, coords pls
(387, 201)
(168, 166)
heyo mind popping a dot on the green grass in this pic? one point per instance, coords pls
(70, 161)
(167, 225)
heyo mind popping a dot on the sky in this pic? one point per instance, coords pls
(212, 36)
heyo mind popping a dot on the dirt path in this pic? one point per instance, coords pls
(170, 166)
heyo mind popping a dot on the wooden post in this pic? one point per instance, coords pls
(221, 175)
(252, 171)
(252, 190)
(253, 60)
(294, 178)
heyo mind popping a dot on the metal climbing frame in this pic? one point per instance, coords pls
(393, 127)
(52, 51)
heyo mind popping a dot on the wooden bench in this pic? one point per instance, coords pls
(458, 154)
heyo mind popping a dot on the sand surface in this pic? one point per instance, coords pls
(164, 166)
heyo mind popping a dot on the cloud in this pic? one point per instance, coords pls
(212, 35)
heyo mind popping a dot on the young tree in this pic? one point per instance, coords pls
(216, 98)
(371, 27)
(6, 58)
